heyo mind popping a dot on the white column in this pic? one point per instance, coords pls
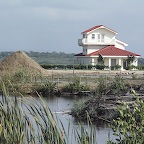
(120, 63)
(93, 61)
(110, 63)
(136, 62)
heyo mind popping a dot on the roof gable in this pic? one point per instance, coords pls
(97, 27)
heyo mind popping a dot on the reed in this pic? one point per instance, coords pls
(34, 123)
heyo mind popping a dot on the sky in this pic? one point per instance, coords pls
(56, 25)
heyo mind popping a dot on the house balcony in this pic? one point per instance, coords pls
(86, 41)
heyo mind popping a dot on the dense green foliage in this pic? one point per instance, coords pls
(47, 87)
(129, 127)
(57, 66)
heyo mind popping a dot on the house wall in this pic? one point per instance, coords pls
(119, 61)
(118, 45)
(109, 36)
(90, 49)
(106, 61)
(94, 61)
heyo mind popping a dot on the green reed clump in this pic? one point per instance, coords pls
(118, 86)
(76, 86)
(17, 82)
(47, 87)
(15, 124)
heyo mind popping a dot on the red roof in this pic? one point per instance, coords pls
(96, 27)
(110, 51)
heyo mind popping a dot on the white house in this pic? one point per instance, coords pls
(100, 40)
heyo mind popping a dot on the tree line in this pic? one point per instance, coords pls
(54, 58)
(47, 57)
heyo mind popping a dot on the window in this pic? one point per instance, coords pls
(84, 35)
(103, 38)
(113, 62)
(98, 37)
(85, 50)
(93, 36)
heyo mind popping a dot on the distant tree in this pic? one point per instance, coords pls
(47, 57)
(140, 61)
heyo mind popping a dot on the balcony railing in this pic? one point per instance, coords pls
(86, 41)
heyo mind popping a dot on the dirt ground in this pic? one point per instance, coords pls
(97, 72)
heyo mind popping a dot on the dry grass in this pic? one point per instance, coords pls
(95, 72)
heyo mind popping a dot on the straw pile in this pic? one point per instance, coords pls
(19, 61)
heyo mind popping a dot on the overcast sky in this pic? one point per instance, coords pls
(56, 25)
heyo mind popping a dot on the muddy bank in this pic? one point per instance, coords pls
(104, 109)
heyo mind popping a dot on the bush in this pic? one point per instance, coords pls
(76, 66)
(129, 127)
(75, 86)
(47, 88)
(116, 67)
(130, 67)
(140, 67)
(100, 67)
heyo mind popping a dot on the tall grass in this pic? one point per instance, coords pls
(34, 123)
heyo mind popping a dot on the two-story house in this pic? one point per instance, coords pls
(100, 40)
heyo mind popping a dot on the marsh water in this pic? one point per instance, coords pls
(60, 105)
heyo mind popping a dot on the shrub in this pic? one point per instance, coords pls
(116, 67)
(100, 67)
(47, 88)
(140, 67)
(76, 86)
(118, 86)
(129, 127)
(130, 67)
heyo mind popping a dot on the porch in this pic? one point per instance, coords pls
(115, 61)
